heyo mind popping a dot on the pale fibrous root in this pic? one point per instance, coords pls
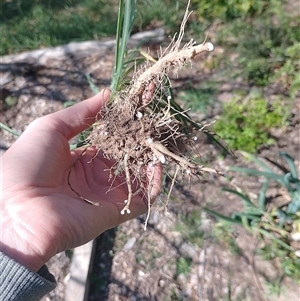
(140, 126)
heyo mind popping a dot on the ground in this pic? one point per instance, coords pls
(183, 254)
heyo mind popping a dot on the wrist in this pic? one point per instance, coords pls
(15, 241)
(24, 258)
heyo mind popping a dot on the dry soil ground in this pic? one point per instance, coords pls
(160, 263)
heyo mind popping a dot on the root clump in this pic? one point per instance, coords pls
(142, 126)
(140, 133)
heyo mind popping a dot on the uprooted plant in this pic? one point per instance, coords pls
(142, 124)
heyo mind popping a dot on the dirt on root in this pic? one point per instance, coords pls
(161, 263)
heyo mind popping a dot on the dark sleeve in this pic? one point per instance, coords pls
(17, 283)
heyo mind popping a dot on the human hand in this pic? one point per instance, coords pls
(40, 214)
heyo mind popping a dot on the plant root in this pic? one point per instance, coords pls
(134, 132)
(129, 186)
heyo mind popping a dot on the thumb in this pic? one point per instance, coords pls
(73, 120)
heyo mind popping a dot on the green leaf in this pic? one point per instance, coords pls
(118, 57)
(77, 145)
(262, 196)
(69, 103)
(244, 198)
(11, 100)
(6, 128)
(287, 181)
(94, 88)
(271, 236)
(186, 120)
(245, 222)
(291, 164)
(255, 172)
(253, 212)
(126, 16)
(223, 217)
(257, 161)
(251, 216)
(294, 205)
(283, 217)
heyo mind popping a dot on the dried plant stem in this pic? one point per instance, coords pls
(159, 150)
(176, 58)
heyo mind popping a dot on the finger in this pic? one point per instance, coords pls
(73, 120)
(154, 175)
(148, 93)
(140, 202)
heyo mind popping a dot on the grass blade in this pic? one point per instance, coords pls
(290, 161)
(223, 217)
(126, 16)
(115, 78)
(256, 161)
(186, 120)
(255, 172)
(94, 88)
(245, 199)
(8, 129)
(262, 196)
(280, 242)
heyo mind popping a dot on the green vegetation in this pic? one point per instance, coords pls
(261, 47)
(31, 24)
(263, 34)
(227, 10)
(27, 24)
(189, 226)
(289, 73)
(223, 231)
(183, 265)
(198, 99)
(246, 123)
(276, 225)
(275, 288)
